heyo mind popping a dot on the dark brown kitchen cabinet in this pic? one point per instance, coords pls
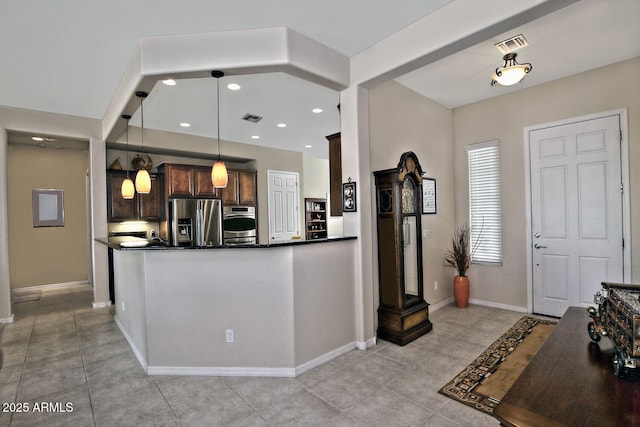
(241, 189)
(179, 179)
(149, 207)
(195, 181)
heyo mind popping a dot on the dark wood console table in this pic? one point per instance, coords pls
(570, 382)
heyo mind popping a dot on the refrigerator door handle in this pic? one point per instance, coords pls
(199, 224)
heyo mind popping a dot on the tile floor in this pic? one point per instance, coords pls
(61, 351)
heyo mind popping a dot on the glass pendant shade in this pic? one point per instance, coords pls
(127, 190)
(219, 176)
(143, 182)
(511, 73)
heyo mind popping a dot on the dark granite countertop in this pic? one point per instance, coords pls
(139, 244)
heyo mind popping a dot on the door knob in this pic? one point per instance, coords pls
(537, 246)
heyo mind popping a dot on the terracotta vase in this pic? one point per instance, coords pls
(461, 291)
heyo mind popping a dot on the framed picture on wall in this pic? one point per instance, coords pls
(48, 208)
(429, 204)
(349, 197)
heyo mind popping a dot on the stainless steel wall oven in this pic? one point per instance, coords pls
(239, 225)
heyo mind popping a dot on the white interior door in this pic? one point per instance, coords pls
(576, 212)
(284, 218)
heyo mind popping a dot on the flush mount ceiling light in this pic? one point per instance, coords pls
(127, 190)
(219, 177)
(511, 72)
(169, 82)
(143, 180)
(233, 86)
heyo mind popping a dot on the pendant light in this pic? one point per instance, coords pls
(219, 177)
(143, 180)
(511, 72)
(127, 190)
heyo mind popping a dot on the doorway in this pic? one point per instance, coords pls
(577, 214)
(284, 217)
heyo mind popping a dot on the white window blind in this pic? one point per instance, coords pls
(484, 202)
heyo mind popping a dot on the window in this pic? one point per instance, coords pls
(484, 202)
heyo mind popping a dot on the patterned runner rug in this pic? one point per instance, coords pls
(487, 379)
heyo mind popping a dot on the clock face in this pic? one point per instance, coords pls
(386, 201)
(408, 197)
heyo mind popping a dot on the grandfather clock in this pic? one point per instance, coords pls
(403, 314)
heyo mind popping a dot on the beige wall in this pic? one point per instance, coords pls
(401, 120)
(48, 255)
(504, 118)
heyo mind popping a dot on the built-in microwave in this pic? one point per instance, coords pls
(239, 225)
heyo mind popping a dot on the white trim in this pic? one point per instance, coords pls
(314, 363)
(626, 202)
(138, 354)
(221, 372)
(101, 304)
(438, 306)
(363, 345)
(8, 319)
(52, 286)
(516, 308)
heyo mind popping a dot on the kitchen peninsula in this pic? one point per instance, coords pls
(277, 309)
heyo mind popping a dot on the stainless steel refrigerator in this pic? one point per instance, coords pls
(195, 222)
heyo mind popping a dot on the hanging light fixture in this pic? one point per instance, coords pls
(219, 177)
(143, 180)
(511, 72)
(127, 190)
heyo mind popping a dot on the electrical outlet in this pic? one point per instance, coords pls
(229, 335)
(435, 285)
(426, 234)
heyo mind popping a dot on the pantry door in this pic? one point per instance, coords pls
(284, 217)
(576, 212)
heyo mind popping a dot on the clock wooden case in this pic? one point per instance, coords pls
(403, 314)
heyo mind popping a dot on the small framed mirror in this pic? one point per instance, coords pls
(48, 208)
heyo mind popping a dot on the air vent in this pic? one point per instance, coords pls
(251, 118)
(511, 44)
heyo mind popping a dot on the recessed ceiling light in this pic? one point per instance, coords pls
(317, 110)
(169, 82)
(185, 124)
(308, 146)
(233, 86)
(282, 125)
(255, 136)
(37, 138)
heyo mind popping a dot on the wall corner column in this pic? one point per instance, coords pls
(354, 106)
(6, 315)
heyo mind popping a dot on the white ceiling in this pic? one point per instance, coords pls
(68, 57)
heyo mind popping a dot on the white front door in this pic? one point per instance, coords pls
(576, 212)
(284, 215)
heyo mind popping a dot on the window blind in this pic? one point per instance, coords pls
(484, 202)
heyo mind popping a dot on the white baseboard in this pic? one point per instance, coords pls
(101, 304)
(498, 305)
(8, 319)
(307, 366)
(221, 372)
(52, 286)
(437, 306)
(138, 354)
(363, 345)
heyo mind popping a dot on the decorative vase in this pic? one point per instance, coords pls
(461, 291)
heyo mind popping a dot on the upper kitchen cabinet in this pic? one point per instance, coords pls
(179, 179)
(241, 189)
(195, 181)
(149, 207)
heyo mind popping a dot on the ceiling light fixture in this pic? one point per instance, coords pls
(143, 180)
(233, 86)
(185, 124)
(169, 82)
(511, 72)
(219, 177)
(282, 125)
(317, 110)
(37, 138)
(127, 189)
(255, 136)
